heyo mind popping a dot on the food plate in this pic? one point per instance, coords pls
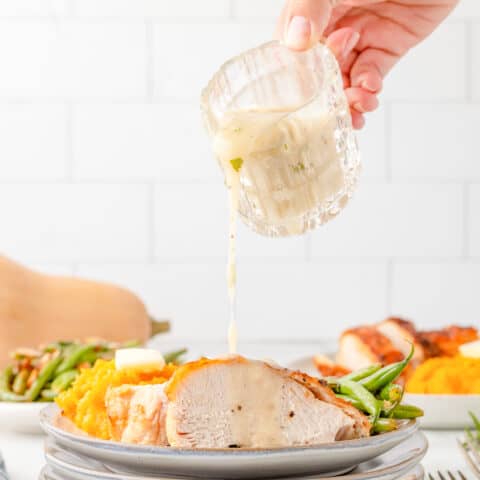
(445, 411)
(21, 417)
(441, 411)
(337, 457)
(391, 465)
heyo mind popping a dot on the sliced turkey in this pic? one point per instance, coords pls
(137, 414)
(242, 403)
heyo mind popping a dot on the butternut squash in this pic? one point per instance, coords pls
(37, 308)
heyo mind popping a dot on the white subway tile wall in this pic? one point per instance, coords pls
(107, 172)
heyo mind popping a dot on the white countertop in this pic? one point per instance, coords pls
(23, 454)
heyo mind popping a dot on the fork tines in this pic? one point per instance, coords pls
(448, 475)
(471, 454)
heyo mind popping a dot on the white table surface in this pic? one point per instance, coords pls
(23, 454)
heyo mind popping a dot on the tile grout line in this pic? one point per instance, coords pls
(151, 223)
(150, 69)
(466, 221)
(389, 287)
(231, 10)
(69, 146)
(71, 8)
(388, 142)
(468, 62)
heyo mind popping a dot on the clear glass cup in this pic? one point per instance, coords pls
(286, 116)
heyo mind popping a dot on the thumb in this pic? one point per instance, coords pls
(302, 22)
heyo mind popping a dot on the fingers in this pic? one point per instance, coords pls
(302, 22)
(358, 121)
(370, 68)
(361, 100)
(342, 42)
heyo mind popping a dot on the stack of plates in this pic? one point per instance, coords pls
(71, 455)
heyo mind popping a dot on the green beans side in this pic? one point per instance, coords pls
(57, 374)
(174, 356)
(19, 384)
(75, 357)
(6, 394)
(404, 412)
(353, 389)
(383, 425)
(64, 380)
(372, 390)
(386, 375)
(363, 372)
(391, 392)
(45, 375)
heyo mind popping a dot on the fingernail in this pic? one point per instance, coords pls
(358, 107)
(298, 33)
(350, 43)
(368, 86)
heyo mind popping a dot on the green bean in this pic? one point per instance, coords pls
(43, 378)
(74, 358)
(403, 412)
(362, 372)
(48, 394)
(476, 423)
(20, 382)
(391, 392)
(369, 402)
(6, 378)
(356, 403)
(11, 397)
(90, 357)
(56, 346)
(64, 380)
(386, 375)
(172, 357)
(383, 425)
(6, 394)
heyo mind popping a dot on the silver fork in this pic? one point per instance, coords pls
(3, 469)
(448, 475)
(471, 454)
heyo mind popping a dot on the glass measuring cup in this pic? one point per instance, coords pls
(281, 120)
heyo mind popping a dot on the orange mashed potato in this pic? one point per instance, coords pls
(446, 375)
(84, 402)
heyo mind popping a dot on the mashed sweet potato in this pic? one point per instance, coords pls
(446, 375)
(84, 402)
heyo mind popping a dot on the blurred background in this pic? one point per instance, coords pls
(106, 172)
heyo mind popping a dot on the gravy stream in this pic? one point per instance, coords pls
(288, 164)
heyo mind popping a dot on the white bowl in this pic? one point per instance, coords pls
(21, 417)
(445, 411)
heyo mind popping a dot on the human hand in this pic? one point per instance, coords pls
(368, 38)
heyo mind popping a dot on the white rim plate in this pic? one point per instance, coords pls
(221, 463)
(21, 417)
(391, 465)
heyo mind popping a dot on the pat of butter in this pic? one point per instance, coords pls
(139, 358)
(471, 349)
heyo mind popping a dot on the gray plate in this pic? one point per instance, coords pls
(389, 466)
(330, 458)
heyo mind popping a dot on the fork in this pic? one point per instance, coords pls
(471, 454)
(3, 469)
(448, 475)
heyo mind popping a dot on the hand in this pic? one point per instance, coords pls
(368, 38)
